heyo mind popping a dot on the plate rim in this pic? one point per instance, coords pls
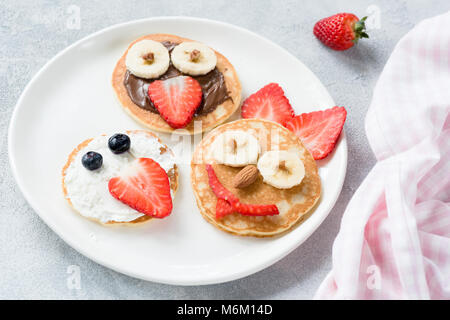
(173, 281)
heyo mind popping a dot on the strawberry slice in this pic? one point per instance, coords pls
(223, 208)
(256, 209)
(232, 203)
(219, 190)
(176, 99)
(144, 186)
(268, 103)
(319, 130)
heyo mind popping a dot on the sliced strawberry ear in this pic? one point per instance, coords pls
(145, 187)
(319, 130)
(268, 103)
(176, 99)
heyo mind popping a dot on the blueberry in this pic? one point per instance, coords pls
(92, 160)
(119, 143)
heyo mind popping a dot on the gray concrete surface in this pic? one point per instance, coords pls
(34, 260)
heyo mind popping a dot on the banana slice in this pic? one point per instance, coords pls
(236, 148)
(193, 58)
(281, 169)
(147, 59)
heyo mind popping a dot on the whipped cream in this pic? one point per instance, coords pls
(88, 190)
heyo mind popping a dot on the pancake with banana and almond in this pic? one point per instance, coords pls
(254, 177)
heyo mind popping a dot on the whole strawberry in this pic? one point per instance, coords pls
(341, 31)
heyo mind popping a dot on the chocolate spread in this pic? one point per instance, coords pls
(213, 87)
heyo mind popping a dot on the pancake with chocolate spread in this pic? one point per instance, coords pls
(221, 92)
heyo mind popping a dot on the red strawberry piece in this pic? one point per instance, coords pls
(144, 186)
(219, 190)
(233, 202)
(319, 130)
(341, 31)
(268, 103)
(256, 209)
(176, 99)
(223, 208)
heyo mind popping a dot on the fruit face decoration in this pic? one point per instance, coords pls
(281, 169)
(193, 58)
(147, 59)
(318, 131)
(119, 143)
(92, 160)
(228, 203)
(268, 103)
(236, 149)
(142, 185)
(176, 98)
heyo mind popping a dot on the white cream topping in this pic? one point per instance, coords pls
(88, 190)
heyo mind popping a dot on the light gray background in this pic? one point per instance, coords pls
(34, 260)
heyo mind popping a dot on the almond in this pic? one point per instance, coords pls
(245, 177)
(195, 55)
(282, 166)
(233, 145)
(149, 57)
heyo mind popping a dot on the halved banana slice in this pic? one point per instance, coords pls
(147, 59)
(193, 58)
(236, 148)
(281, 169)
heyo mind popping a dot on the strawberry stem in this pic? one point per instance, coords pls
(359, 28)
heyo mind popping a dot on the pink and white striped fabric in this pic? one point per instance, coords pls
(394, 241)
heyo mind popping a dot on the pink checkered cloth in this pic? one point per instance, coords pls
(394, 241)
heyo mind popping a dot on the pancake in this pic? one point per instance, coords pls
(294, 204)
(153, 120)
(173, 179)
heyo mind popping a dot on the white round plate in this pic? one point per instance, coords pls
(70, 99)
